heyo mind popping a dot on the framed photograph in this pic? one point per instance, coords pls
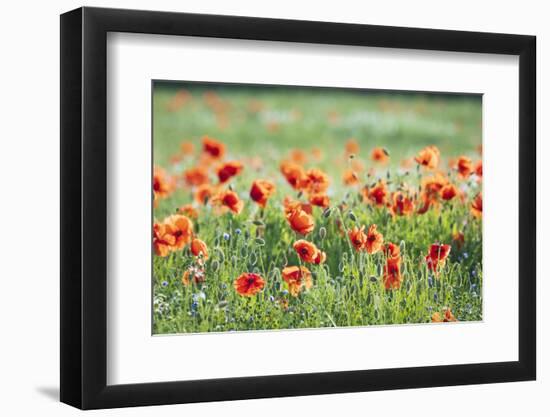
(257, 208)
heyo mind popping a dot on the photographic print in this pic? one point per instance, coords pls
(285, 207)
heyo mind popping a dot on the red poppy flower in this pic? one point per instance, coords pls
(261, 191)
(308, 252)
(477, 206)
(448, 192)
(196, 176)
(213, 147)
(320, 200)
(402, 205)
(228, 200)
(436, 257)
(294, 174)
(377, 194)
(248, 284)
(464, 167)
(228, 170)
(317, 181)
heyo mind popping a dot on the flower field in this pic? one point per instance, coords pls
(288, 208)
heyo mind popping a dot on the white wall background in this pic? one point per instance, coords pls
(29, 164)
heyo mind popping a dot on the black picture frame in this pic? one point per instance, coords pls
(84, 207)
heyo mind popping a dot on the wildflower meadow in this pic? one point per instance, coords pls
(291, 207)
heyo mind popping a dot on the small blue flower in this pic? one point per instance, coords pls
(164, 283)
(238, 231)
(465, 255)
(194, 306)
(435, 297)
(430, 281)
(271, 298)
(226, 236)
(285, 292)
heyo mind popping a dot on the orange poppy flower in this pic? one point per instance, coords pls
(436, 257)
(402, 205)
(478, 168)
(320, 200)
(317, 181)
(447, 316)
(392, 277)
(378, 194)
(229, 170)
(213, 147)
(464, 167)
(189, 211)
(203, 193)
(428, 157)
(196, 176)
(352, 147)
(380, 155)
(300, 221)
(294, 174)
(163, 240)
(248, 284)
(228, 199)
(187, 148)
(375, 240)
(448, 192)
(431, 188)
(350, 177)
(308, 252)
(261, 190)
(163, 184)
(181, 227)
(179, 100)
(298, 156)
(199, 247)
(358, 238)
(317, 154)
(296, 279)
(477, 206)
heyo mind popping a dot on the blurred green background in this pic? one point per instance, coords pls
(275, 119)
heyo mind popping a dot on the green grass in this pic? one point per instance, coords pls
(348, 289)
